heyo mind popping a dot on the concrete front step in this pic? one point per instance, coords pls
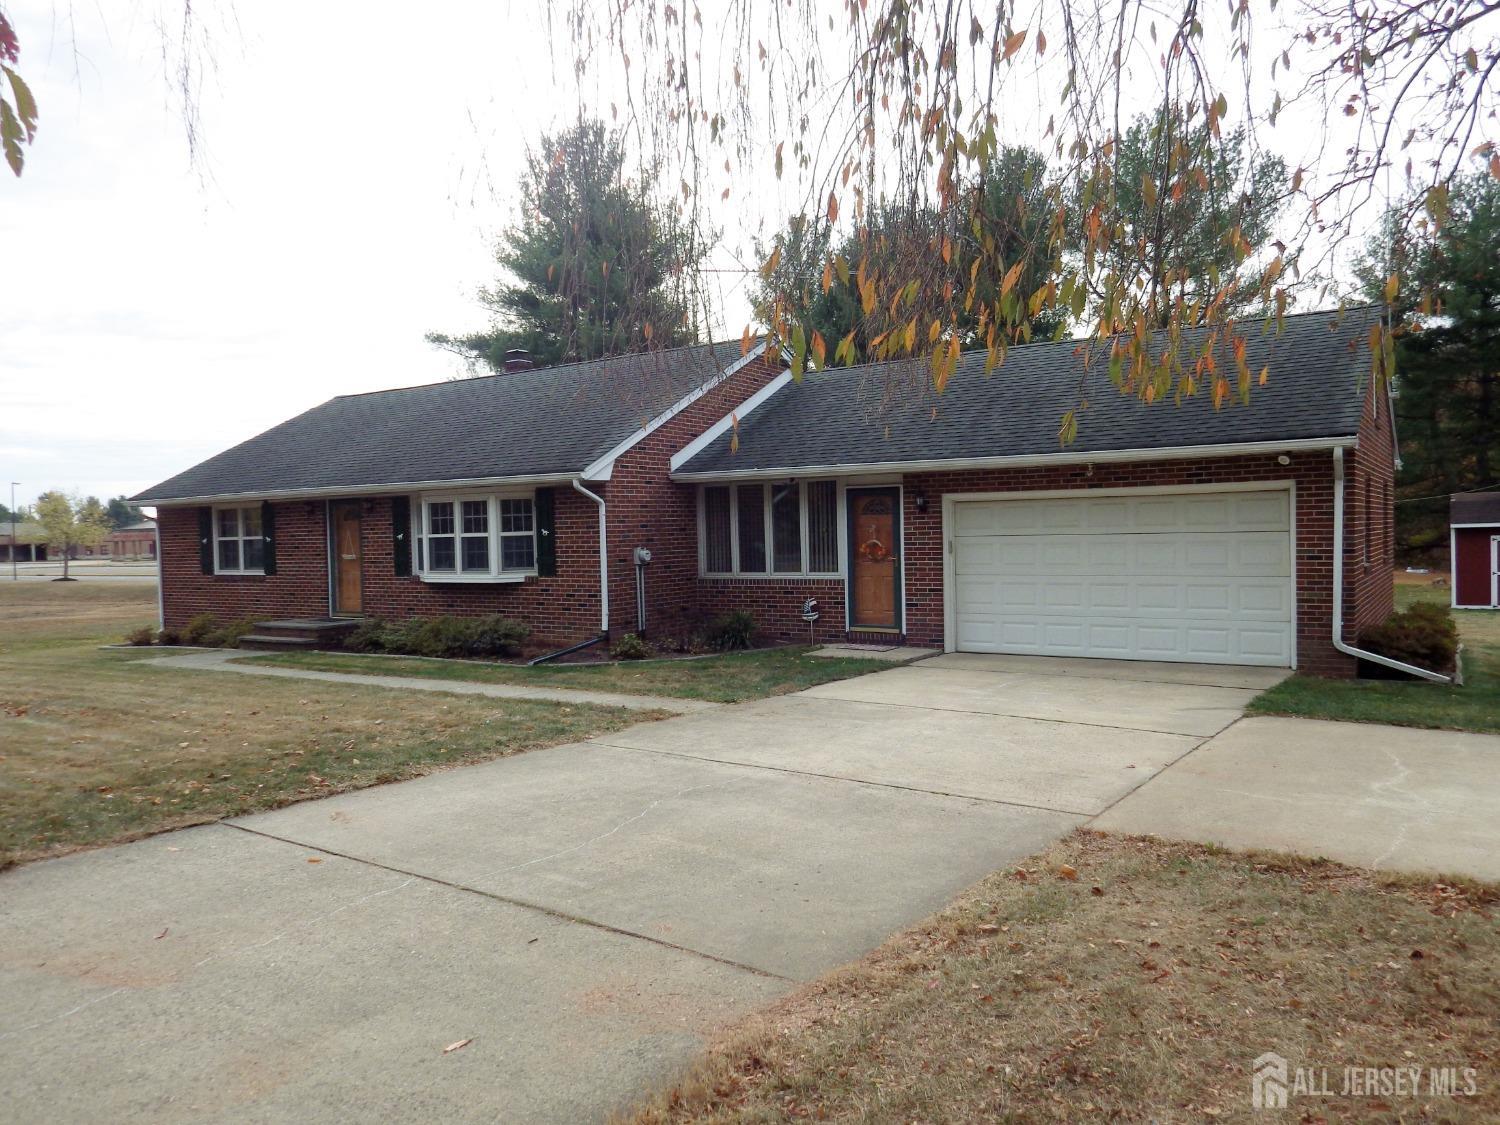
(279, 642)
(311, 631)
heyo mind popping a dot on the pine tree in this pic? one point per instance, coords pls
(596, 266)
(1448, 372)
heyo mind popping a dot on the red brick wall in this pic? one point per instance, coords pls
(1369, 519)
(644, 509)
(647, 509)
(561, 609)
(1311, 472)
(299, 588)
(775, 603)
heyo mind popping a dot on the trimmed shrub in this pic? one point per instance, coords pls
(199, 630)
(630, 647)
(732, 631)
(440, 636)
(168, 637)
(495, 636)
(229, 636)
(145, 635)
(1424, 635)
(370, 635)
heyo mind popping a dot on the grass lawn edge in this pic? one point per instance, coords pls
(729, 1079)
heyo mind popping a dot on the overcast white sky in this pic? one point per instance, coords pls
(151, 316)
(354, 174)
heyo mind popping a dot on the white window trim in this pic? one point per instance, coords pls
(768, 574)
(239, 510)
(497, 573)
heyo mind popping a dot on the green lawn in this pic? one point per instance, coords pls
(1475, 706)
(730, 678)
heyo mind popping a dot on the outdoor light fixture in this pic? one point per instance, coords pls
(920, 501)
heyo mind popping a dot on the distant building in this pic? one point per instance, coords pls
(134, 541)
(1474, 523)
(29, 544)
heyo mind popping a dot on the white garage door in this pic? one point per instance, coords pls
(1202, 577)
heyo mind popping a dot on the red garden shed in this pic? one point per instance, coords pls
(1474, 523)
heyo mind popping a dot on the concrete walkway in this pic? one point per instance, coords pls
(232, 660)
(1388, 798)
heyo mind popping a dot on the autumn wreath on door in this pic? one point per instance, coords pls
(874, 550)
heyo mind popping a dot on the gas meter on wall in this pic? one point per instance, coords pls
(642, 556)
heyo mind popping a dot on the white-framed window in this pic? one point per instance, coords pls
(771, 528)
(475, 537)
(239, 542)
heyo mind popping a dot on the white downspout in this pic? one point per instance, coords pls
(1338, 586)
(161, 604)
(603, 557)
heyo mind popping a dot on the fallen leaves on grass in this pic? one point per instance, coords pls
(1149, 1003)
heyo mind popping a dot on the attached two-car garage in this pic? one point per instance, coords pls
(1143, 574)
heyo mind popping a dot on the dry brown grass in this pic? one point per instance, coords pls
(95, 749)
(1141, 989)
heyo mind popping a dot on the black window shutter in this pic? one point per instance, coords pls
(401, 535)
(546, 534)
(268, 533)
(206, 540)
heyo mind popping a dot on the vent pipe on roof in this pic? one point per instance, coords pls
(517, 359)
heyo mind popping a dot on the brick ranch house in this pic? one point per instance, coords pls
(1165, 532)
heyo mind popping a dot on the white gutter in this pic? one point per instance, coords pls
(1067, 457)
(603, 557)
(161, 608)
(1338, 587)
(722, 426)
(334, 491)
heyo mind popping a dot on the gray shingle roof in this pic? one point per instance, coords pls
(543, 422)
(1474, 507)
(888, 413)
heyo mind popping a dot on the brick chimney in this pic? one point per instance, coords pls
(517, 359)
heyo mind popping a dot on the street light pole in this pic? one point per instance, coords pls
(13, 576)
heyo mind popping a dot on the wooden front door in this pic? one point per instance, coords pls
(874, 557)
(346, 557)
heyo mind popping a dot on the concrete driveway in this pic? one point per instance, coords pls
(586, 915)
(1388, 798)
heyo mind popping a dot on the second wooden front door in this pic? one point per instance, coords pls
(347, 594)
(874, 557)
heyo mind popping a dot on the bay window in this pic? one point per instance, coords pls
(517, 534)
(475, 538)
(785, 527)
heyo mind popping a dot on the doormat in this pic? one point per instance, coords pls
(869, 648)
